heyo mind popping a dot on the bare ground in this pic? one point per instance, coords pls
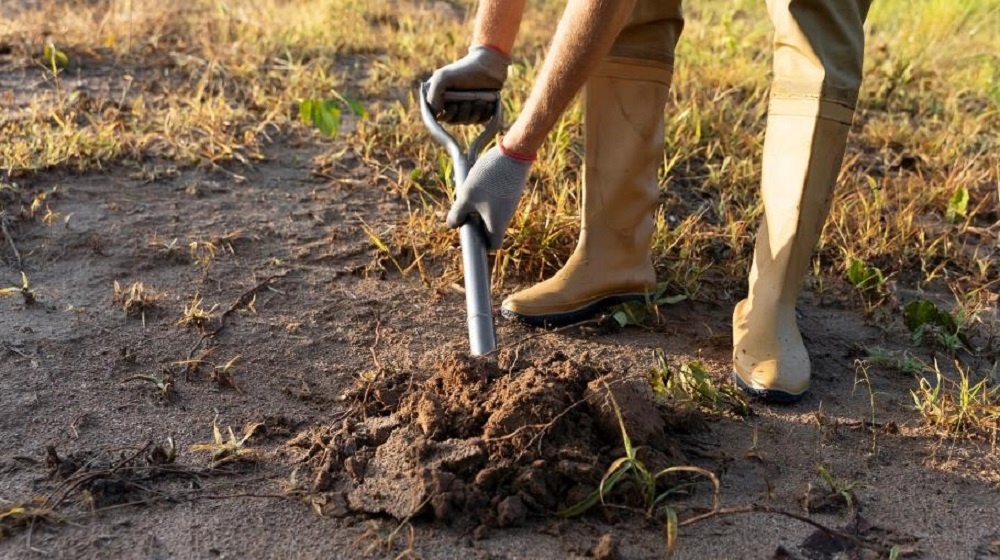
(311, 317)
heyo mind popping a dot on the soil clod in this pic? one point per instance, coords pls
(471, 442)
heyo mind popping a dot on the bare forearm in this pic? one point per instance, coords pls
(584, 36)
(497, 23)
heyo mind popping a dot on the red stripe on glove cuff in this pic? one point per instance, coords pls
(510, 153)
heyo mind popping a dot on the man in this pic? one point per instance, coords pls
(623, 52)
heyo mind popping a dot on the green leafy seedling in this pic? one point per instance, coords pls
(327, 114)
(842, 488)
(865, 278)
(690, 383)
(638, 312)
(958, 204)
(901, 361)
(55, 58)
(644, 479)
(923, 317)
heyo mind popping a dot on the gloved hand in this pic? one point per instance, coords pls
(492, 190)
(484, 68)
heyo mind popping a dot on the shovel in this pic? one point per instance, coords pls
(482, 337)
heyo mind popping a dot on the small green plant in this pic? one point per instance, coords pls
(837, 494)
(927, 322)
(639, 312)
(898, 360)
(690, 383)
(326, 114)
(645, 480)
(958, 204)
(958, 407)
(55, 59)
(867, 279)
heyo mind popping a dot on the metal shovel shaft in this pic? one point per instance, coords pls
(482, 336)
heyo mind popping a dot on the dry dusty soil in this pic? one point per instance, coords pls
(370, 434)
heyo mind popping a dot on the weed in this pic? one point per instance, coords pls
(645, 481)
(232, 449)
(690, 384)
(195, 315)
(927, 322)
(223, 375)
(958, 204)
(836, 494)
(27, 294)
(169, 249)
(868, 280)
(898, 360)
(961, 407)
(137, 299)
(325, 114)
(163, 384)
(202, 252)
(638, 313)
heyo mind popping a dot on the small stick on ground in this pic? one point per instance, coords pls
(242, 301)
(10, 241)
(757, 508)
(13, 350)
(74, 484)
(558, 330)
(378, 337)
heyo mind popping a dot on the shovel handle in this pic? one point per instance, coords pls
(482, 335)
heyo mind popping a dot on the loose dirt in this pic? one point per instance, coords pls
(487, 446)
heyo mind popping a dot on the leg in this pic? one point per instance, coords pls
(624, 101)
(818, 54)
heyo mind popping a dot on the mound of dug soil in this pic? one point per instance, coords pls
(473, 442)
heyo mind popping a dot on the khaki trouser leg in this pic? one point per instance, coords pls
(623, 122)
(818, 54)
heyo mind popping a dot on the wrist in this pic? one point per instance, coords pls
(495, 48)
(516, 153)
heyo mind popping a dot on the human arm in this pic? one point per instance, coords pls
(493, 188)
(497, 24)
(584, 36)
(484, 67)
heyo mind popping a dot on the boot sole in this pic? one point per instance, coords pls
(769, 395)
(555, 320)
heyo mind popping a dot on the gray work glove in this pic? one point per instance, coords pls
(492, 190)
(483, 68)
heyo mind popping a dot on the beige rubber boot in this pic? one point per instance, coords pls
(623, 120)
(802, 157)
(818, 58)
(623, 146)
